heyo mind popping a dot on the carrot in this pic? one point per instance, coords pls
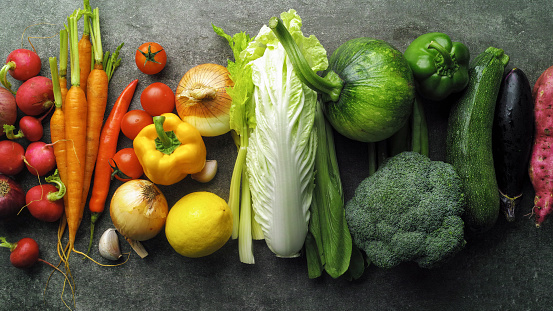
(57, 120)
(75, 135)
(107, 149)
(97, 97)
(85, 50)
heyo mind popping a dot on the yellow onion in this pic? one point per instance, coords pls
(138, 210)
(201, 99)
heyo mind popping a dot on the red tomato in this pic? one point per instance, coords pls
(157, 98)
(134, 121)
(127, 165)
(150, 58)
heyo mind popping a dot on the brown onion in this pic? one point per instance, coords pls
(12, 197)
(138, 209)
(201, 99)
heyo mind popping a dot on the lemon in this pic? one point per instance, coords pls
(198, 224)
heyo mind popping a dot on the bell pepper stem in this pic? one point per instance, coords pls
(448, 62)
(158, 121)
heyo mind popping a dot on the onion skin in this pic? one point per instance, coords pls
(201, 99)
(8, 109)
(138, 209)
(12, 197)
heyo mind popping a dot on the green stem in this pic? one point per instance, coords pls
(4, 76)
(372, 158)
(424, 130)
(111, 63)
(117, 171)
(165, 141)
(63, 53)
(447, 60)
(55, 179)
(55, 81)
(9, 129)
(93, 218)
(381, 152)
(234, 195)
(416, 130)
(245, 246)
(330, 86)
(95, 36)
(5, 243)
(72, 31)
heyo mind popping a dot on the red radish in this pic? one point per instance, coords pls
(35, 96)
(8, 109)
(12, 155)
(40, 158)
(29, 127)
(45, 201)
(12, 197)
(22, 64)
(24, 253)
(541, 162)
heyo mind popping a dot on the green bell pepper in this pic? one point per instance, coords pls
(440, 67)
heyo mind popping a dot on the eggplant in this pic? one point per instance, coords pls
(512, 139)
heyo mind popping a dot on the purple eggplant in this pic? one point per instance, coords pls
(513, 132)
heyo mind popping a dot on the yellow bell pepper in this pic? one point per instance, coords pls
(169, 149)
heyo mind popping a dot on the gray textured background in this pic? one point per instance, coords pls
(510, 268)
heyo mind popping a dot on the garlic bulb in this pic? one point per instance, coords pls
(202, 100)
(109, 245)
(207, 173)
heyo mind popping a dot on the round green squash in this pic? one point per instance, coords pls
(377, 92)
(368, 89)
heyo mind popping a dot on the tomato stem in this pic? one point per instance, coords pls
(150, 57)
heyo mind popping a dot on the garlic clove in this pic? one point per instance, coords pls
(109, 245)
(207, 173)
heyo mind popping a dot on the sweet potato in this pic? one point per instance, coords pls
(541, 162)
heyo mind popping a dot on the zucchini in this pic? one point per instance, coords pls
(469, 139)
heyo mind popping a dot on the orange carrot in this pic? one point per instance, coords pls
(57, 121)
(75, 135)
(97, 96)
(85, 51)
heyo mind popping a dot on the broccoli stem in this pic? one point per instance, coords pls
(419, 140)
(381, 152)
(372, 158)
(399, 142)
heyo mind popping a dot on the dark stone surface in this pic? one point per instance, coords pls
(509, 268)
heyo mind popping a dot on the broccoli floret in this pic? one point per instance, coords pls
(408, 210)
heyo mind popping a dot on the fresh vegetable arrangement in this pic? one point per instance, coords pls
(282, 101)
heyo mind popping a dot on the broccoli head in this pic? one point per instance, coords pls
(408, 210)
